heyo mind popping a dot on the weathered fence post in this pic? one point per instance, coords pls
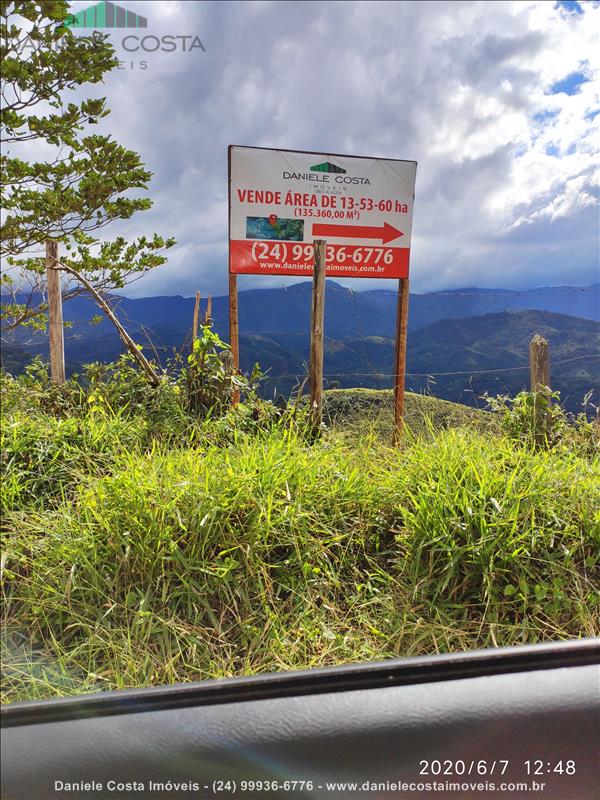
(316, 337)
(539, 370)
(195, 321)
(539, 363)
(55, 314)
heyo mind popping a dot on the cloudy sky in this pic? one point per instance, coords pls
(497, 101)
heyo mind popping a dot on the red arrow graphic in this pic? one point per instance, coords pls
(386, 233)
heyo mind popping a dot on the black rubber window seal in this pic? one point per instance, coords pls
(351, 677)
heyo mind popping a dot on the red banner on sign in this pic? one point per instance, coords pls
(296, 258)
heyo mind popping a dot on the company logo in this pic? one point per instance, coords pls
(327, 166)
(109, 15)
(106, 15)
(328, 169)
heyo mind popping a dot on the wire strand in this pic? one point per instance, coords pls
(431, 374)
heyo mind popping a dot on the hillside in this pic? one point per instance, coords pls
(501, 341)
(482, 347)
(492, 349)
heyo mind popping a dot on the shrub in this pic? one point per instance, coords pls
(210, 378)
(33, 392)
(121, 388)
(537, 419)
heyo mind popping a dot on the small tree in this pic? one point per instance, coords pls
(78, 185)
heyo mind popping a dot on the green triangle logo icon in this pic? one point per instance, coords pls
(106, 15)
(326, 166)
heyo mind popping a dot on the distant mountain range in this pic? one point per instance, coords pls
(477, 331)
(489, 353)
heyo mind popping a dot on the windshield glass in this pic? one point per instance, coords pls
(259, 413)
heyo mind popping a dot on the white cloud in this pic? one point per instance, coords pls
(506, 188)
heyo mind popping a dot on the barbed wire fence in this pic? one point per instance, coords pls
(368, 373)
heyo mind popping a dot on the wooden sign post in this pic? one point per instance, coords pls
(55, 314)
(317, 317)
(400, 359)
(234, 332)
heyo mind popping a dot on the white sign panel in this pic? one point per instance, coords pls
(281, 200)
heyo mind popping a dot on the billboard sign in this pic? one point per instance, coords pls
(280, 201)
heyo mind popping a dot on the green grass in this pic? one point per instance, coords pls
(351, 411)
(132, 562)
(43, 457)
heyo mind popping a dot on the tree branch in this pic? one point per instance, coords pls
(146, 366)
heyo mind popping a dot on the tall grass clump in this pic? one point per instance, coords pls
(42, 458)
(260, 551)
(501, 532)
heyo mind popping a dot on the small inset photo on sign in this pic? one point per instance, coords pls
(273, 227)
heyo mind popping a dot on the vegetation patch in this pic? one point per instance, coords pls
(131, 559)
